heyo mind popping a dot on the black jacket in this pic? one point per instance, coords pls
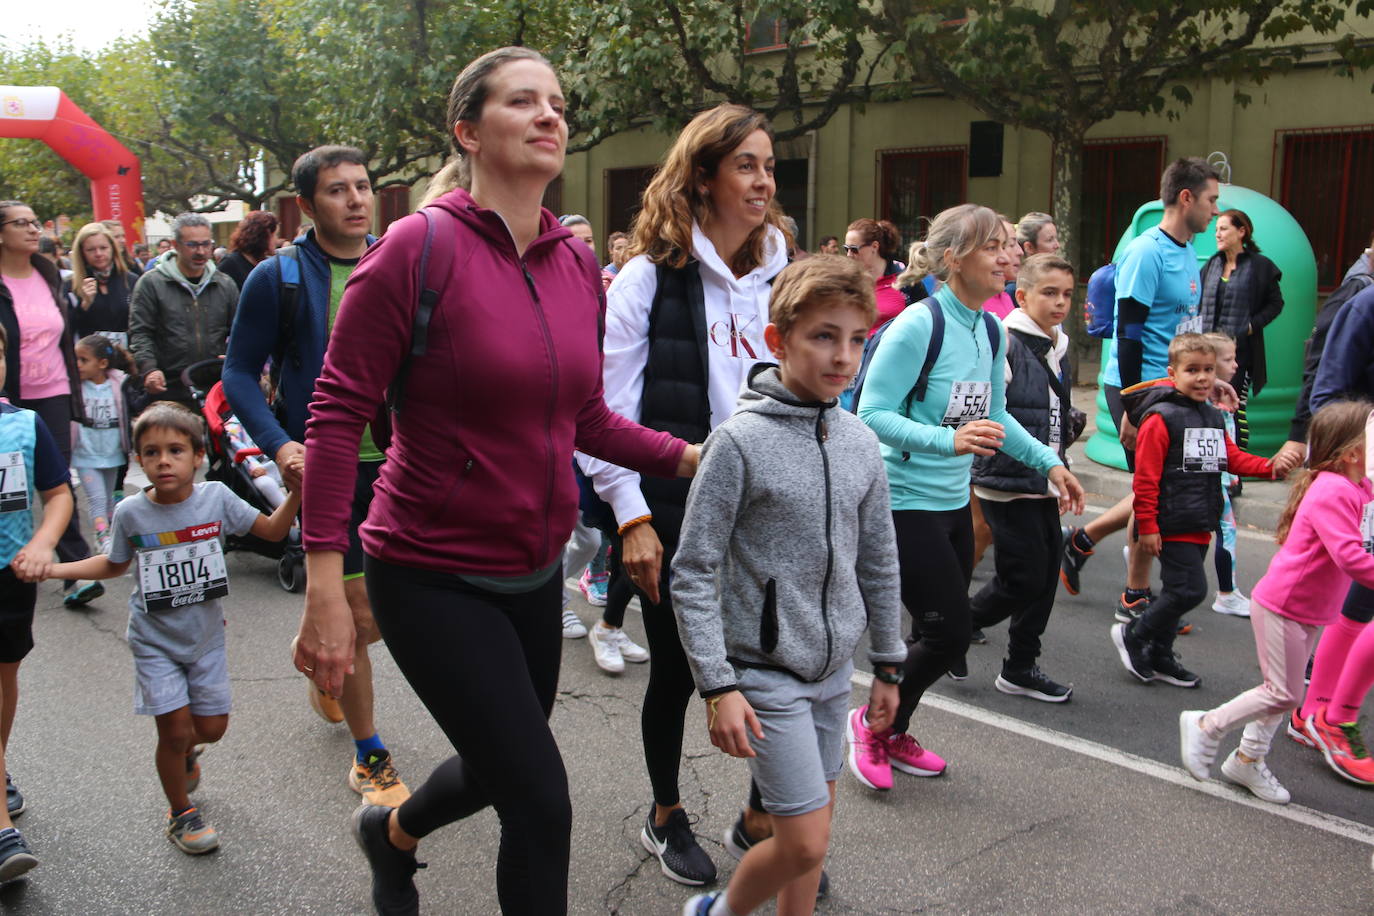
(1029, 401)
(1264, 302)
(1190, 487)
(10, 322)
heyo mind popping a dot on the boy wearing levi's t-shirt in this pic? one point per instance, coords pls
(174, 529)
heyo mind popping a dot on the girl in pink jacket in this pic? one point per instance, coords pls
(1324, 533)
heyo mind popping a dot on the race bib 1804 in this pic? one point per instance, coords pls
(968, 401)
(181, 574)
(14, 482)
(1204, 450)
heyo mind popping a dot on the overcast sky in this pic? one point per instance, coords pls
(92, 24)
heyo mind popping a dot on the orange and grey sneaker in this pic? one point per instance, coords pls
(191, 834)
(376, 780)
(324, 705)
(1342, 747)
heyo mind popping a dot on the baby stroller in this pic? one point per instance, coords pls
(240, 465)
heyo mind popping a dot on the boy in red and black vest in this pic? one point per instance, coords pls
(1181, 451)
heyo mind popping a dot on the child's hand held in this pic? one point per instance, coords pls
(1150, 543)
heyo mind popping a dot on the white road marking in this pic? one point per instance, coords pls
(1308, 817)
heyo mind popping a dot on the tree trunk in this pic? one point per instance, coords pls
(1066, 207)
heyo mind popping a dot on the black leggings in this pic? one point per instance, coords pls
(1183, 586)
(486, 667)
(935, 550)
(1027, 545)
(663, 715)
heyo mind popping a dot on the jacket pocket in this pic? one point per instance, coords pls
(768, 620)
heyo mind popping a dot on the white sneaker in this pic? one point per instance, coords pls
(573, 627)
(1197, 749)
(1256, 777)
(606, 649)
(629, 649)
(1233, 603)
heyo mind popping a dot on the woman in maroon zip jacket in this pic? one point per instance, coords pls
(464, 538)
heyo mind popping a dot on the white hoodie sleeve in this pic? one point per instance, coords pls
(627, 351)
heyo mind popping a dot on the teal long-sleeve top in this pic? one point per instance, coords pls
(933, 478)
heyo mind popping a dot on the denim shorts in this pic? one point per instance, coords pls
(803, 737)
(162, 685)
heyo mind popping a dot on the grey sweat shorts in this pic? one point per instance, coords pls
(162, 684)
(803, 737)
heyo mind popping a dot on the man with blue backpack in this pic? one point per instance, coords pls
(285, 314)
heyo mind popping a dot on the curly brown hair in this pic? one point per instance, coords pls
(255, 235)
(674, 198)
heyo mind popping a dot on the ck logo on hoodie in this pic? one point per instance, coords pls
(732, 334)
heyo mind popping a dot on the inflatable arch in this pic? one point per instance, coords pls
(45, 113)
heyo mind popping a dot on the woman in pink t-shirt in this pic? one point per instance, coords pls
(40, 354)
(875, 245)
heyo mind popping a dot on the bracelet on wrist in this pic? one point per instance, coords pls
(632, 522)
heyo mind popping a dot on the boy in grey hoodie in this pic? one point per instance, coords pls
(787, 555)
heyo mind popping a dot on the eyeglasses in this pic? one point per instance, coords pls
(208, 243)
(24, 223)
(851, 249)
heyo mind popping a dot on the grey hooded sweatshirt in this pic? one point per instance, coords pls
(787, 552)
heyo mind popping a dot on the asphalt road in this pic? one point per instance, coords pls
(1080, 808)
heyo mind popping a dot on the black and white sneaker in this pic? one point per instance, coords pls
(958, 669)
(1032, 683)
(15, 856)
(1133, 652)
(738, 842)
(679, 855)
(1168, 670)
(393, 870)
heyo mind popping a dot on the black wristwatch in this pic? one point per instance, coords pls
(888, 675)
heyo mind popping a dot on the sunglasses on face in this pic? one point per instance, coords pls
(852, 249)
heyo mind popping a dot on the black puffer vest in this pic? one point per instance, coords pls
(675, 398)
(1032, 403)
(1190, 487)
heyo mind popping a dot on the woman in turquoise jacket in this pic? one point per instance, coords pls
(928, 444)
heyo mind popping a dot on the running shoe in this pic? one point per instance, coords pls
(573, 627)
(958, 669)
(1071, 564)
(1169, 670)
(1183, 628)
(700, 904)
(593, 587)
(14, 799)
(679, 855)
(82, 594)
(325, 706)
(1343, 748)
(1297, 730)
(605, 649)
(393, 870)
(376, 780)
(738, 842)
(193, 767)
(630, 650)
(1256, 777)
(1032, 683)
(868, 759)
(907, 755)
(978, 637)
(1133, 652)
(1197, 748)
(190, 833)
(1126, 611)
(1233, 604)
(15, 856)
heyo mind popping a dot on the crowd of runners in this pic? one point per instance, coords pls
(775, 454)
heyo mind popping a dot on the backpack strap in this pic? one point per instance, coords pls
(288, 288)
(937, 343)
(432, 274)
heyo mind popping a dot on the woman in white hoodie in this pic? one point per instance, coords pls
(1020, 504)
(684, 325)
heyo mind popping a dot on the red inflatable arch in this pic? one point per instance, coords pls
(45, 113)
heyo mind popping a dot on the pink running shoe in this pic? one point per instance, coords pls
(907, 755)
(867, 753)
